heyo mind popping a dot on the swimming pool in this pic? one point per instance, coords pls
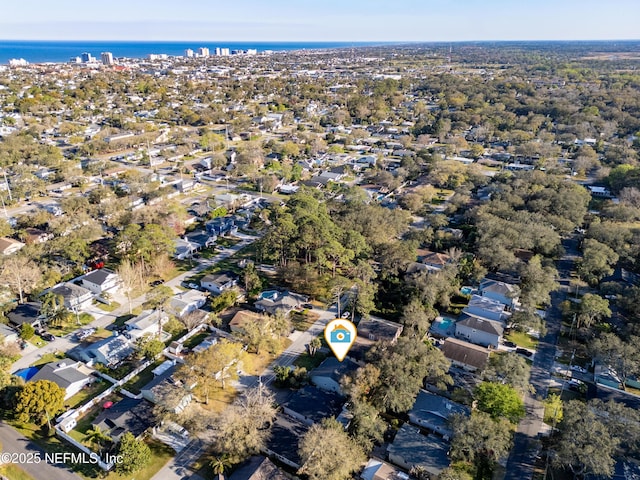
(443, 323)
(466, 290)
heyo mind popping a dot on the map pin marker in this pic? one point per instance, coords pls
(340, 335)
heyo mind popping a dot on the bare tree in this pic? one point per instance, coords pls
(131, 278)
(21, 275)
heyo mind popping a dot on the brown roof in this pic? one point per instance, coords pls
(7, 243)
(242, 317)
(435, 258)
(466, 353)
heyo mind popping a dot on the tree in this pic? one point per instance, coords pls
(98, 437)
(158, 298)
(618, 355)
(40, 401)
(226, 299)
(54, 310)
(508, 368)
(251, 278)
(366, 427)
(131, 278)
(21, 275)
(244, 429)
(134, 453)
(327, 453)
(480, 440)
(592, 308)
(314, 346)
(150, 347)
(499, 401)
(417, 319)
(584, 444)
(538, 281)
(553, 409)
(597, 261)
(453, 474)
(27, 331)
(219, 464)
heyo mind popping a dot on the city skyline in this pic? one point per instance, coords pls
(331, 20)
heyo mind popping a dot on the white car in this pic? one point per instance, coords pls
(193, 285)
(577, 368)
(346, 315)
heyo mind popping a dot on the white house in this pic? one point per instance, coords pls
(478, 330)
(218, 283)
(75, 297)
(9, 246)
(486, 307)
(186, 302)
(71, 377)
(101, 281)
(148, 322)
(502, 292)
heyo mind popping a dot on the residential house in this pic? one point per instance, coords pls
(184, 248)
(35, 235)
(311, 405)
(109, 351)
(7, 335)
(258, 468)
(75, 297)
(328, 374)
(378, 470)
(149, 322)
(478, 330)
(101, 281)
(128, 415)
(434, 260)
(486, 308)
(412, 449)
(273, 301)
(70, 376)
(187, 302)
(505, 293)
(168, 392)
(9, 246)
(201, 238)
(433, 412)
(286, 433)
(219, 282)
(221, 226)
(464, 354)
(371, 331)
(242, 318)
(27, 313)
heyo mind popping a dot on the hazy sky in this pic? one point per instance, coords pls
(320, 20)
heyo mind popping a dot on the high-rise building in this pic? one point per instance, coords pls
(87, 57)
(218, 53)
(203, 52)
(188, 53)
(224, 52)
(107, 58)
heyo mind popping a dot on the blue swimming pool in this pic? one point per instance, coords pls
(466, 290)
(443, 323)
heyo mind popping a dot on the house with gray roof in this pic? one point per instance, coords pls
(68, 375)
(128, 415)
(149, 322)
(27, 313)
(187, 302)
(311, 405)
(378, 470)
(219, 282)
(371, 331)
(286, 433)
(273, 301)
(464, 354)
(109, 351)
(487, 308)
(101, 281)
(165, 390)
(478, 330)
(328, 374)
(258, 468)
(505, 293)
(75, 297)
(412, 449)
(433, 412)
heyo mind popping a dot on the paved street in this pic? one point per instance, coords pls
(526, 442)
(13, 442)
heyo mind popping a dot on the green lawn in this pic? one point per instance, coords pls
(301, 321)
(13, 472)
(87, 393)
(307, 361)
(37, 341)
(160, 455)
(145, 376)
(108, 308)
(522, 339)
(119, 321)
(48, 358)
(227, 241)
(195, 340)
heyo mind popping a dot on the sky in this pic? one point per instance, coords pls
(320, 20)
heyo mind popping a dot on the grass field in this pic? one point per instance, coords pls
(13, 472)
(523, 340)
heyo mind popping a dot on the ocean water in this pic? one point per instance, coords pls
(58, 51)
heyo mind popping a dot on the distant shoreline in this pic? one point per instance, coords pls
(43, 51)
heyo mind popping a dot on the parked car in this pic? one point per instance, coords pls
(524, 351)
(48, 337)
(577, 368)
(308, 306)
(193, 285)
(155, 283)
(509, 344)
(346, 314)
(575, 384)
